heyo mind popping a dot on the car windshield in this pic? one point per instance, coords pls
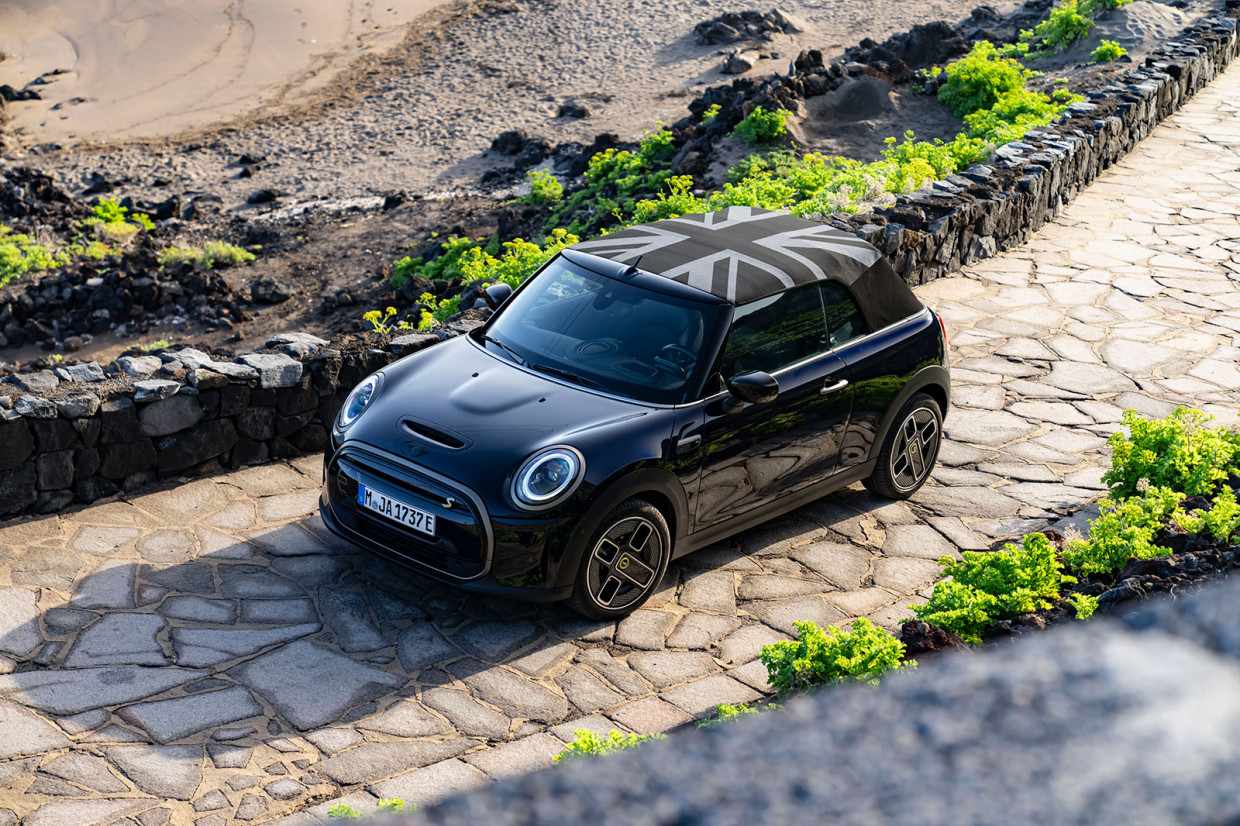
(604, 333)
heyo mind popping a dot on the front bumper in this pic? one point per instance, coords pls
(470, 550)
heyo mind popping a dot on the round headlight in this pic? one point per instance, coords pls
(547, 477)
(359, 400)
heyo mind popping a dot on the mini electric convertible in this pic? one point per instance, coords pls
(645, 394)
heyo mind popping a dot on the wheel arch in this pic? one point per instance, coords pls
(934, 381)
(656, 485)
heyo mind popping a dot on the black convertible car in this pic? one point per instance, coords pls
(645, 394)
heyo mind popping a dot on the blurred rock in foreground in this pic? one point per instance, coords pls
(1129, 722)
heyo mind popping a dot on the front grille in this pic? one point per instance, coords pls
(461, 546)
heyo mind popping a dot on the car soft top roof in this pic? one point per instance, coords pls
(741, 254)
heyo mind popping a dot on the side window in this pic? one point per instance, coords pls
(844, 319)
(774, 332)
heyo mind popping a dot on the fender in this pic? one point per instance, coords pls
(633, 483)
(936, 375)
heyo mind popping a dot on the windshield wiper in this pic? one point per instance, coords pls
(564, 374)
(503, 346)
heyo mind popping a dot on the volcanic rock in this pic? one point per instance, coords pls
(270, 289)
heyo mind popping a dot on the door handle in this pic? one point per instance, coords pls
(831, 388)
(687, 444)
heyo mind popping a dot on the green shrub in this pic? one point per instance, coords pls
(614, 180)
(1125, 530)
(545, 188)
(588, 744)
(19, 254)
(819, 657)
(1014, 114)
(386, 321)
(436, 310)
(210, 254)
(444, 267)
(678, 200)
(92, 250)
(985, 587)
(779, 162)
(1017, 50)
(1067, 23)
(979, 79)
(725, 713)
(385, 806)
(1177, 452)
(108, 211)
(178, 255)
(762, 126)
(816, 185)
(1107, 51)
(765, 191)
(114, 222)
(711, 113)
(518, 262)
(1084, 604)
(227, 255)
(1221, 520)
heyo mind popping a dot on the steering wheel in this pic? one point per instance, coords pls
(597, 347)
(676, 359)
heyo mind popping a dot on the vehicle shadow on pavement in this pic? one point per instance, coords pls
(212, 636)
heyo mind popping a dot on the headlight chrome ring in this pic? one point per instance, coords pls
(547, 478)
(358, 400)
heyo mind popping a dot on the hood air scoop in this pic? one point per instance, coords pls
(434, 435)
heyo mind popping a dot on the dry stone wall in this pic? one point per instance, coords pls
(78, 433)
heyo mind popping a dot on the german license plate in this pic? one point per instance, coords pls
(395, 510)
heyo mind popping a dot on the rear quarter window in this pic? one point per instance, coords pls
(844, 319)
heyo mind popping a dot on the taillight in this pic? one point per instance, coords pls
(943, 330)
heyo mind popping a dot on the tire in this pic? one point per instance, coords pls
(617, 575)
(910, 449)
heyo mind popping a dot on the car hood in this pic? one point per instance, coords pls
(480, 415)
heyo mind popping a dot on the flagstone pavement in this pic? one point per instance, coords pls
(208, 654)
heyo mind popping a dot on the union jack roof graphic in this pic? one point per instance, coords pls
(739, 254)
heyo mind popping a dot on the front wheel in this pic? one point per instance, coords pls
(625, 562)
(910, 449)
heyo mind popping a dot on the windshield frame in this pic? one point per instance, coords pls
(716, 315)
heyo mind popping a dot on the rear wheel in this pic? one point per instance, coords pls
(910, 449)
(625, 563)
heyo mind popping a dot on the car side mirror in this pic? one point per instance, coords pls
(496, 294)
(755, 387)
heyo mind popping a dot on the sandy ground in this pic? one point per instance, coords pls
(420, 117)
(118, 69)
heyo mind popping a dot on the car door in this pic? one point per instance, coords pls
(876, 369)
(765, 451)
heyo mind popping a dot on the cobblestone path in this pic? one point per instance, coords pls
(208, 654)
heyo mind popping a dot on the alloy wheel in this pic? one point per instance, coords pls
(915, 447)
(624, 563)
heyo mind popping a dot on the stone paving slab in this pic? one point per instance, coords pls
(208, 654)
